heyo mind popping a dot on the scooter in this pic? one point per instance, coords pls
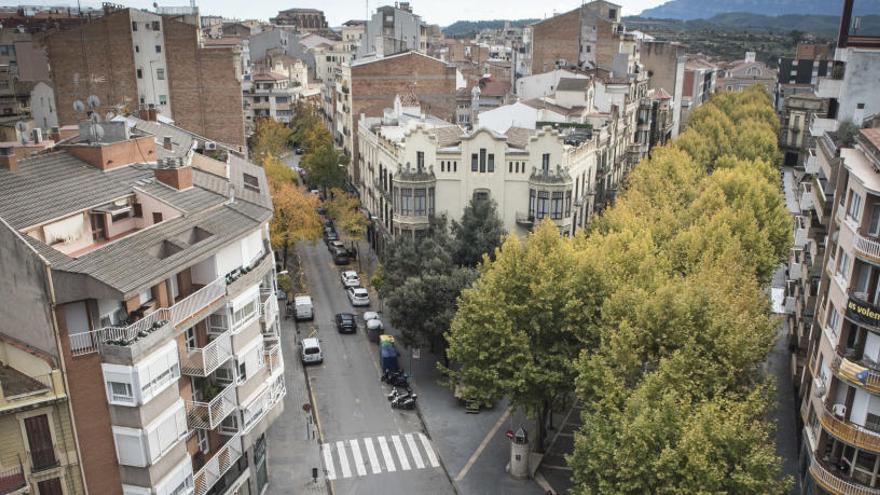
(396, 393)
(405, 402)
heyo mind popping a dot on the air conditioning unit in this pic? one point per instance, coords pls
(839, 410)
(820, 387)
(210, 145)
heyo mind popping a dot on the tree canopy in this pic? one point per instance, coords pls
(479, 232)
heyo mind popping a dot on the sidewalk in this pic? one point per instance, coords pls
(473, 448)
(294, 448)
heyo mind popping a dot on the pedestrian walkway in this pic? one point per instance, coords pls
(382, 454)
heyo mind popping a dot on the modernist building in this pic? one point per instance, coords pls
(303, 20)
(142, 265)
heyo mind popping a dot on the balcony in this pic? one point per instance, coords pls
(218, 465)
(269, 312)
(856, 373)
(254, 412)
(202, 361)
(209, 415)
(830, 482)
(525, 219)
(274, 360)
(12, 479)
(865, 247)
(851, 433)
(182, 312)
(242, 278)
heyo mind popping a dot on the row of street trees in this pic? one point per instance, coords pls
(656, 322)
(420, 280)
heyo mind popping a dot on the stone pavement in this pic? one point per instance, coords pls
(294, 448)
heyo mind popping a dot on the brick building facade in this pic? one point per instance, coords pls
(376, 82)
(554, 40)
(589, 36)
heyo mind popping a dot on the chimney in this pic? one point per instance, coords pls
(55, 133)
(166, 143)
(8, 160)
(149, 113)
(174, 173)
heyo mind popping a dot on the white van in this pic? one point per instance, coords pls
(302, 308)
(311, 351)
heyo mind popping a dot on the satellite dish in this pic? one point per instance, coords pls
(79, 106)
(94, 102)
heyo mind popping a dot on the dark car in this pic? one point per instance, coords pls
(331, 245)
(299, 151)
(340, 256)
(330, 235)
(345, 323)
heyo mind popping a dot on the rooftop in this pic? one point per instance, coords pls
(573, 84)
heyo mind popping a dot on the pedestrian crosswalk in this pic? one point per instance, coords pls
(404, 452)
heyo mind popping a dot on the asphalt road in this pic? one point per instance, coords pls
(367, 447)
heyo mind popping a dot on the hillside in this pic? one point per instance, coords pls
(701, 9)
(467, 28)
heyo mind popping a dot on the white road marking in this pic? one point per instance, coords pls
(371, 454)
(432, 457)
(386, 453)
(479, 451)
(343, 460)
(328, 461)
(401, 454)
(358, 458)
(414, 450)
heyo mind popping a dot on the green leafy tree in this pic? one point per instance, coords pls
(345, 211)
(270, 139)
(325, 166)
(479, 233)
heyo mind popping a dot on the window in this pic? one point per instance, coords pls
(531, 203)
(833, 320)
(481, 195)
(874, 227)
(120, 392)
(163, 100)
(138, 210)
(244, 313)
(251, 182)
(491, 164)
(860, 106)
(843, 265)
(140, 73)
(137, 49)
(474, 158)
(158, 48)
(50, 487)
(156, 26)
(121, 215)
(164, 432)
(543, 200)
(545, 163)
(146, 296)
(420, 160)
(430, 201)
(191, 338)
(612, 13)
(242, 372)
(203, 440)
(134, 26)
(455, 166)
(510, 167)
(160, 74)
(482, 160)
(567, 203)
(556, 206)
(855, 205)
(39, 437)
(406, 201)
(419, 197)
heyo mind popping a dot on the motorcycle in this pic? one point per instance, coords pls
(405, 402)
(396, 393)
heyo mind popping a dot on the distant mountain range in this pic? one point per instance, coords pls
(462, 28)
(822, 26)
(702, 9)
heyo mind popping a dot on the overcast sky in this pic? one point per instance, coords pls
(443, 12)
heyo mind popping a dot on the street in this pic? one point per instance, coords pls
(366, 446)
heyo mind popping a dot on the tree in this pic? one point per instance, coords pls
(479, 233)
(295, 217)
(520, 328)
(270, 138)
(325, 166)
(278, 173)
(345, 211)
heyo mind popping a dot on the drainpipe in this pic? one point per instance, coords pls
(62, 363)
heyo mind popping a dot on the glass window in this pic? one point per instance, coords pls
(874, 228)
(491, 165)
(134, 26)
(567, 203)
(419, 196)
(545, 163)
(140, 73)
(160, 74)
(833, 320)
(855, 205)
(474, 159)
(120, 392)
(163, 100)
(482, 160)
(843, 265)
(158, 48)
(406, 201)
(543, 204)
(420, 160)
(510, 167)
(531, 203)
(556, 206)
(431, 201)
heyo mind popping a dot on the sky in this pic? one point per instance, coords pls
(443, 12)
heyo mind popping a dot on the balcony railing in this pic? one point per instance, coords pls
(209, 415)
(202, 361)
(269, 313)
(88, 342)
(254, 412)
(215, 468)
(825, 478)
(856, 373)
(273, 358)
(850, 433)
(866, 248)
(12, 479)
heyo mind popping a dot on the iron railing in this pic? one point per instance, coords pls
(836, 485)
(209, 415)
(218, 465)
(202, 361)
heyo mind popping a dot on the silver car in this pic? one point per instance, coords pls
(350, 278)
(358, 296)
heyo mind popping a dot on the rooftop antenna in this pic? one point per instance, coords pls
(22, 129)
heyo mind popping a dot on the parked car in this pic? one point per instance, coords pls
(345, 323)
(330, 235)
(302, 308)
(350, 278)
(358, 296)
(336, 245)
(340, 256)
(311, 351)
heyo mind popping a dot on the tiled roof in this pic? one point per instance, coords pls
(518, 136)
(448, 135)
(573, 84)
(268, 76)
(495, 88)
(873, 136)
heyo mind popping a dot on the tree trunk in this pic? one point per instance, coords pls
(543, 410)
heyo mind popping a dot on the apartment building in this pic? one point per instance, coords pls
(665, 63)
(700, 76)
(270, 95)
(303, 20)
(742, 74)
(353, 34)
(143, 266)
(38, 451)
(393, 29)
(416, 166)
(587, 37)
(131, 59)
(794, 134)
